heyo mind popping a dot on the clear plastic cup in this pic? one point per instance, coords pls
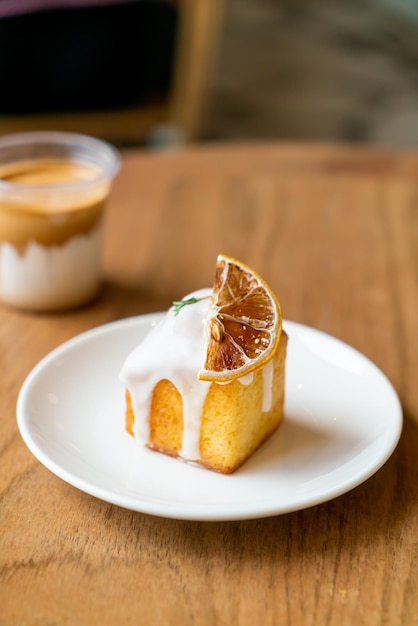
(53, 191)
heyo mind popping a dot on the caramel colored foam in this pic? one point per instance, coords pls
(46, 172)
(33, 213)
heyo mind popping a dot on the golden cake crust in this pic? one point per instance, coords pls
(233, 424)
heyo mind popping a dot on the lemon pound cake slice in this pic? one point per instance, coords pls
(206, 384)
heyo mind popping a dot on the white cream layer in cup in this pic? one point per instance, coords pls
(51, 277)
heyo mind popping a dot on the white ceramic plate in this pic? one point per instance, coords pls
(343, 419)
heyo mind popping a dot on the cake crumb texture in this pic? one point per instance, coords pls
(233, 424)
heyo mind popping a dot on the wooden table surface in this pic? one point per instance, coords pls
(334, 230)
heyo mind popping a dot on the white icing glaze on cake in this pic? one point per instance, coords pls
(175, 350)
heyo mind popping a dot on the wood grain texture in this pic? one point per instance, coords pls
(334, 230)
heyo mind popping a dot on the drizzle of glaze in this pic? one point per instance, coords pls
(174, 349)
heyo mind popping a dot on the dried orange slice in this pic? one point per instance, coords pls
(244, 323)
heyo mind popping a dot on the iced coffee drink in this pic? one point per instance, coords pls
(53, 188)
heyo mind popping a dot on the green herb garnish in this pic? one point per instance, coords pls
(179, 304)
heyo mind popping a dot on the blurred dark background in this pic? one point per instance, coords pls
(209, 70)
(85, 57)
(318, 70)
